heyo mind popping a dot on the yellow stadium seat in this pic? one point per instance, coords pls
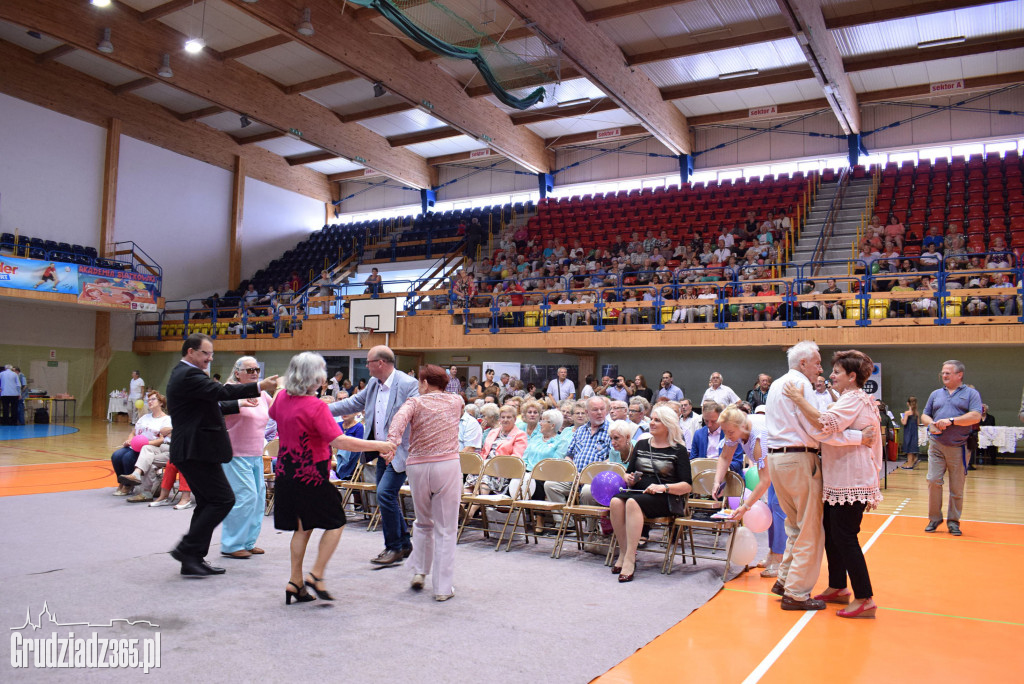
(666, 315)
(953, 306)
(853, 308)
(531, 319)
(879, 308)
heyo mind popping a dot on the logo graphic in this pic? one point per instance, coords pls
(91, 651)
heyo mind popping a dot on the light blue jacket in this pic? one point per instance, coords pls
(403, 387)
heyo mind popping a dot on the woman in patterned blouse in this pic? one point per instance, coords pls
(435, 477)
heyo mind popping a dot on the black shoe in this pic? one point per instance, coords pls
(807, 604)
(387, 557)
(932, 526)
(779, 589)
(320, 593)
(300, 595)
(954, 528)
(406, 551)
(199, 568)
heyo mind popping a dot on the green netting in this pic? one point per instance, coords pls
(439, 29)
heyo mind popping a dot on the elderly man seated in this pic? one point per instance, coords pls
(590, 443)
(470, 432)
(638, 410)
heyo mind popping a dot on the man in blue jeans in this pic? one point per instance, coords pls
(379, 401)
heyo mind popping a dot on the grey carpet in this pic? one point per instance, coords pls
(519, 616)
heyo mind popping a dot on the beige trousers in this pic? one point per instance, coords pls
(797, 480)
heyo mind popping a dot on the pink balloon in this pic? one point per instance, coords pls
(759, 518)
(744, 546)
(139, 441)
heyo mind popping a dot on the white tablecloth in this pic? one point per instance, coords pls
(116, 405)
(1002, 437)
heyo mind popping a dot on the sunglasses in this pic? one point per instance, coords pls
(251, 371)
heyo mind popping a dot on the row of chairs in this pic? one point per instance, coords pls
(575, 517)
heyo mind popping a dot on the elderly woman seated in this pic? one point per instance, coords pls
(135, 468)
(504, 440)
(547, 442)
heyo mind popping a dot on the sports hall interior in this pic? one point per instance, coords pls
(317, 136)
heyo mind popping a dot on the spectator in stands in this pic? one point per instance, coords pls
(1003, 305)
(908, 266)
(324, 283)
(618, 392)
(956, 252)
(504, 440)
(930, 260)
(718, 392)
(590, 443)
(782, 223)
(561, 387)
(618, 409)
(926, 306)
(374, 282)
(475, 234)
(668, 390)
(707, 440)
(977, 305)
(833, 307)
(706, 255)
(639, 388)
(901, 307)
(628, 314)
(759, 395)
(894, 230)
(707, 312)
(684, 314)
(723, 253)
(1000, 257)
(933, 238)
(750, 227)
(890, 259)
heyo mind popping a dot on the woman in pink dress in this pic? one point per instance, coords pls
(849, 478)
(435, 477)
(304, 496)
(246, 420)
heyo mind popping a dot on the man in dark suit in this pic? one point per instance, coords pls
(200, 445)
(379, 401)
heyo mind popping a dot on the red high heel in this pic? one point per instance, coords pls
(842, 597)
(866, 610)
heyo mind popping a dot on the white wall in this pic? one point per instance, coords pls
(57, 325)
(178, 210)
(273, 221)
(51, 174)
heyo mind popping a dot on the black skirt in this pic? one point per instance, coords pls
(652, 505)
(317, 505)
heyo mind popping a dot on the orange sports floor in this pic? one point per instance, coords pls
(950, 609)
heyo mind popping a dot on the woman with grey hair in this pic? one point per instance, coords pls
(547, 442)
(246, 421)
(305, 499)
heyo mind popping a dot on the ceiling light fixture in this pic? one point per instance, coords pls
(105, 46)
(378, 89)
(738, 74)
(940, 42)
(195, 45)
(244, 120)
(573, 103)
(101, 3)
(165, 67)
(304, 27)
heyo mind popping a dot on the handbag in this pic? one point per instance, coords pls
(676, 502)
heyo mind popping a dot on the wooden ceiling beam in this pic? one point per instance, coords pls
(917, 55)
(227, 84)
(841, 21)
(463, 157)
(494, 38)
(74, 94)
(374, 113)
(56, 52)
(259, 137)
(352, 175)
(710, 86)
(164, 9)
(567, 74)
(423, 136)
(822, 52)
(600, 60)
(200, 113)
(255, 46)
(132, 85)
(592, 136)
(322, 82)
(706, 46)
(745, 114)
(629, 8)
(309, 158)
(603, 104)
(353, 44)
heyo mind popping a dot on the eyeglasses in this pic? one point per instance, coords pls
(635, 410)
(250, 371)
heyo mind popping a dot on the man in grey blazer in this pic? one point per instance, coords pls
(379, 401)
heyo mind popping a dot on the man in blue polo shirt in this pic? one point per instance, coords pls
(949, 415)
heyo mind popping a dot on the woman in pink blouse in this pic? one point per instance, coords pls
(304, 496)
(435, 477)
(246, 420)
(850, 480)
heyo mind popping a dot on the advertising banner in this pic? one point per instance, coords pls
(117, 289)
(42, 276)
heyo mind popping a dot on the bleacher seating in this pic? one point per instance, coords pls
(62, 252)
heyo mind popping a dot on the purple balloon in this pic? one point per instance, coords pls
(605, 485)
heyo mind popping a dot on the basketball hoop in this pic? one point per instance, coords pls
(360, 331)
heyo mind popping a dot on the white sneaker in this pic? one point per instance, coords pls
(161, 502)
(417, 581)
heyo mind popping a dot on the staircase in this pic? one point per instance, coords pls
(843, 232)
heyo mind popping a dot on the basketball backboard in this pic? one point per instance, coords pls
(378, 314)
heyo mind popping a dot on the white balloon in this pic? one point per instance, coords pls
(744, 546)
(759, 518)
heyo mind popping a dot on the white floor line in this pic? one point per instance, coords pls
(786, 640)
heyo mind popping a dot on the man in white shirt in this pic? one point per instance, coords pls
(719, 393)
(10, 392)
(562, 388)
(796, 475)
(822, 395)
(136, 390)
(334, 386)
(470, 432)
(689, 422)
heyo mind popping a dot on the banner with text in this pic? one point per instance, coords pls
(117, 289)
(34, 274)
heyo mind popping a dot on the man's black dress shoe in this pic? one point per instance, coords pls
(196, 567)
(954, 528)
(387, 557)
(932, 526)
(779, 589)
(406, 551)
(807, 604)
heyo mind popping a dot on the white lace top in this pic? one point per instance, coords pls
(850, 473)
